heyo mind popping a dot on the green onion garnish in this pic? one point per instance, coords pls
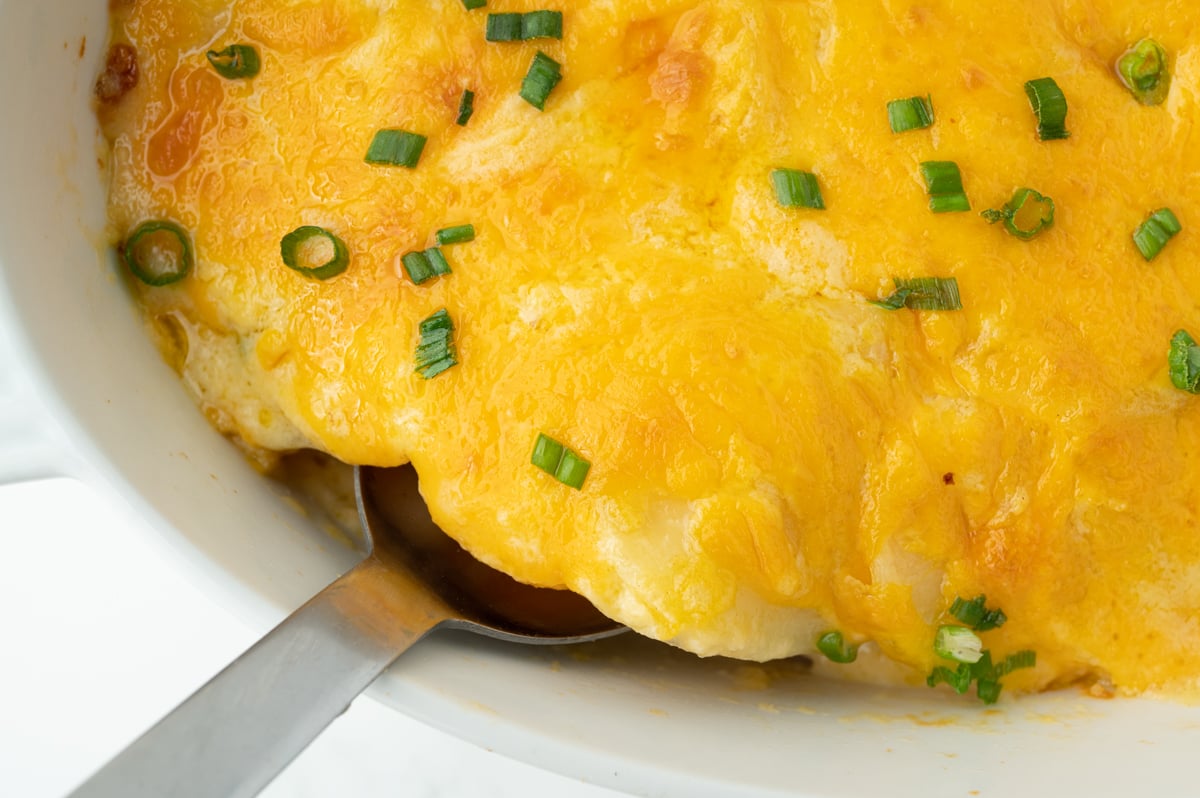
(1154, 233)
(543, 75)
(435, 352)
(1183, 361)
(459, 234)
(235, 62)
(834, 647)
(396, 148)
(437, 261)
(542, 25)
(1143, 70)
(915, 113)
(958, 643)
(1026, 215)
(314, 252)
(1050, 106)
(560, 462)
(425, 265)
(158, 253)
(503, 28)
(959, 678)
(416, 264)
(975, 614)
(797, 189)
(466, 107)
(470, 5)
(943, 181)
(1015, 662)
(923, 293)
(520, 27)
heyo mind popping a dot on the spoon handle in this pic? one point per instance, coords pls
(238, 731)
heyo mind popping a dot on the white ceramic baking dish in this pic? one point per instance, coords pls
(633, 716)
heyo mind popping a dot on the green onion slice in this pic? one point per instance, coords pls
(1015, 662)
(158, 252)
(958, 643)
(988, 690)
(416, 264)
(1049, 106)
(503, 28)
(915, 113)
(391, 147)
(466, 107)
(1154, 233)
(437, 261)
(435, 352)
(797, 189)
(471, 5)
(560, 462)
(542, 25)
(314, 252)
(458, 234)
(235, 62)
(424, 265)
(834, 647)
(923, 293)
(975, 613)
(1143, 70)
(959, 678)
(1183, 362)
(1026, 215)
(543, 75)
(943, 181)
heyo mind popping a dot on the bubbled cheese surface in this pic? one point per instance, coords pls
(772, 456)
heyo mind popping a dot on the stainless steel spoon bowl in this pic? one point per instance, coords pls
(236, 733)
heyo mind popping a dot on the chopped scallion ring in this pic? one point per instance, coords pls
(542, 25)
(1143, 70)
(1026, 215)
(314, 252)
(435, 352)
(922, 293)
(437, 261)
(503, 28)
(959, 678)
(471, 5)
(943, 181)
(391, 147)
(1183, 362)
(560, 462)
(424, 265)
(158, 253)
(466, 107)
(1049, 106)
(1154, 233)
(458, 234)
(958, 643)
(975, 614)
(235, 62)
(797, 189)
(834, 647)
(1015, 662)
(543, 75)
(915, 113)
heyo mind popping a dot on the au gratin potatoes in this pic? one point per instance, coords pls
(851, 329)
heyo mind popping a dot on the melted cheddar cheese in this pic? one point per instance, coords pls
(772, 455)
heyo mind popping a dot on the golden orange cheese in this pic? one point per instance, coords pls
(772, 456)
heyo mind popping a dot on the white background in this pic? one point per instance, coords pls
(98, 640)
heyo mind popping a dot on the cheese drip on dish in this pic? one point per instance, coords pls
(772, 456)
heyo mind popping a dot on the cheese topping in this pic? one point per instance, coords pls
(772, 456)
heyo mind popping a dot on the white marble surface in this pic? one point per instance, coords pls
(97, 641)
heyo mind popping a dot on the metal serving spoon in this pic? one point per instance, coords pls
(236, 733)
